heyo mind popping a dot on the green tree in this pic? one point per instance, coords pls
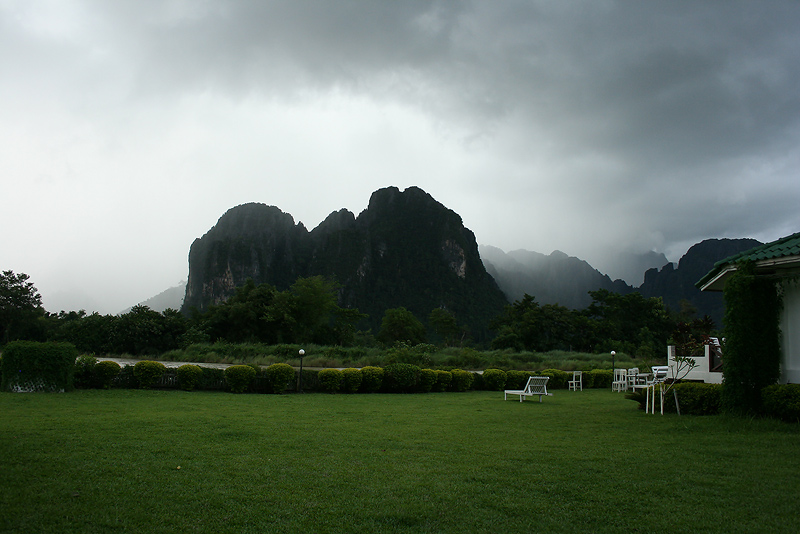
(752, 331)
(399, 324)
(526, 324)
(444, 324)
(630, 323)
(20, 308)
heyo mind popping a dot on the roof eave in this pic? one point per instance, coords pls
(785, 265)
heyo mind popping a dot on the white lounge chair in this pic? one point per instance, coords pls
(537, 385)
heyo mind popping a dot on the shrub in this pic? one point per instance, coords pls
(351, 380)
(494, 379)
(105, 372)
(443, 380)
(598, 378)
(31, 366)
(752, 330)
(280, 375)
(400, 377)
(427, 379)
(517, 379)
(371, 379)
(696, 398)
(239, 377)
(462, 380)
(558, 378)
(330, 380)
(782, 401)
(189, 376)
(83, 377)
(148, 373)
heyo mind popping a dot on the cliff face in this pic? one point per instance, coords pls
(405, 249)
(676, 285)
(249, 241)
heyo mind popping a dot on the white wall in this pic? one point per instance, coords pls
(700, 373)
(790, 330)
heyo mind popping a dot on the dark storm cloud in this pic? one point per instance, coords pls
(585, 126)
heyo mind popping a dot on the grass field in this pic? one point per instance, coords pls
(108, 461)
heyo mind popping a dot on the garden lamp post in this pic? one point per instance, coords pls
(302, 353)
(613, 369)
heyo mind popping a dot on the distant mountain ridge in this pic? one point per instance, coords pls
(676, 284)
(565, 280)
(169, 298)
(407, 249)
(554, 279)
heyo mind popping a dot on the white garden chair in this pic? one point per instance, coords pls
(620, 382)
(576, 382)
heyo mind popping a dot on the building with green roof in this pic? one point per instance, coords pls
(779, 260)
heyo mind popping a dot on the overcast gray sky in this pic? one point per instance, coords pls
(127, 128)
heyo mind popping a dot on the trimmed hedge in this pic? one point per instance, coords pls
(371, 379)
(351, 380)
(400, 377)
(280, 375)
(427, 379)
(443, 380)
(83, 376)
(239, 377)
(105, 372)
(29, 366)
(696, 398)
(148, 373)
(330, 380)
(517, 379)
(558, 378)
(782, 401)
(462, 380)
(189, 376)
(598, 378)
(494, 379)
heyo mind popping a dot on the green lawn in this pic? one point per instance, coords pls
(107, 461)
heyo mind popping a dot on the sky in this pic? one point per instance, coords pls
(597, 128)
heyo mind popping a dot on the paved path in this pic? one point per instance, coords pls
(126, 361)
(130, 361)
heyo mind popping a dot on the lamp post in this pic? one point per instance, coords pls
(302, 353)
(613, 369)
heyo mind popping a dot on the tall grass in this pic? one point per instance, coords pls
(428, 356)
(100, 461)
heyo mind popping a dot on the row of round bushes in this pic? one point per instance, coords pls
(280, 377)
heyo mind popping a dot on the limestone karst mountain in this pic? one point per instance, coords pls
(405, 249)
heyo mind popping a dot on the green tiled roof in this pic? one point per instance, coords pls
(784, 247)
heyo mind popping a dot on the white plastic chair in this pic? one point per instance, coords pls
(620, 382)
(577, 381)
(633, 376)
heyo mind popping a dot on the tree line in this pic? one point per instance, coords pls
(308, 312)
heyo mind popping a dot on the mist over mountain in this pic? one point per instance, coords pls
(552, 279)
(561, 279)
(169, 298)
(405, 249)
(630, 266)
